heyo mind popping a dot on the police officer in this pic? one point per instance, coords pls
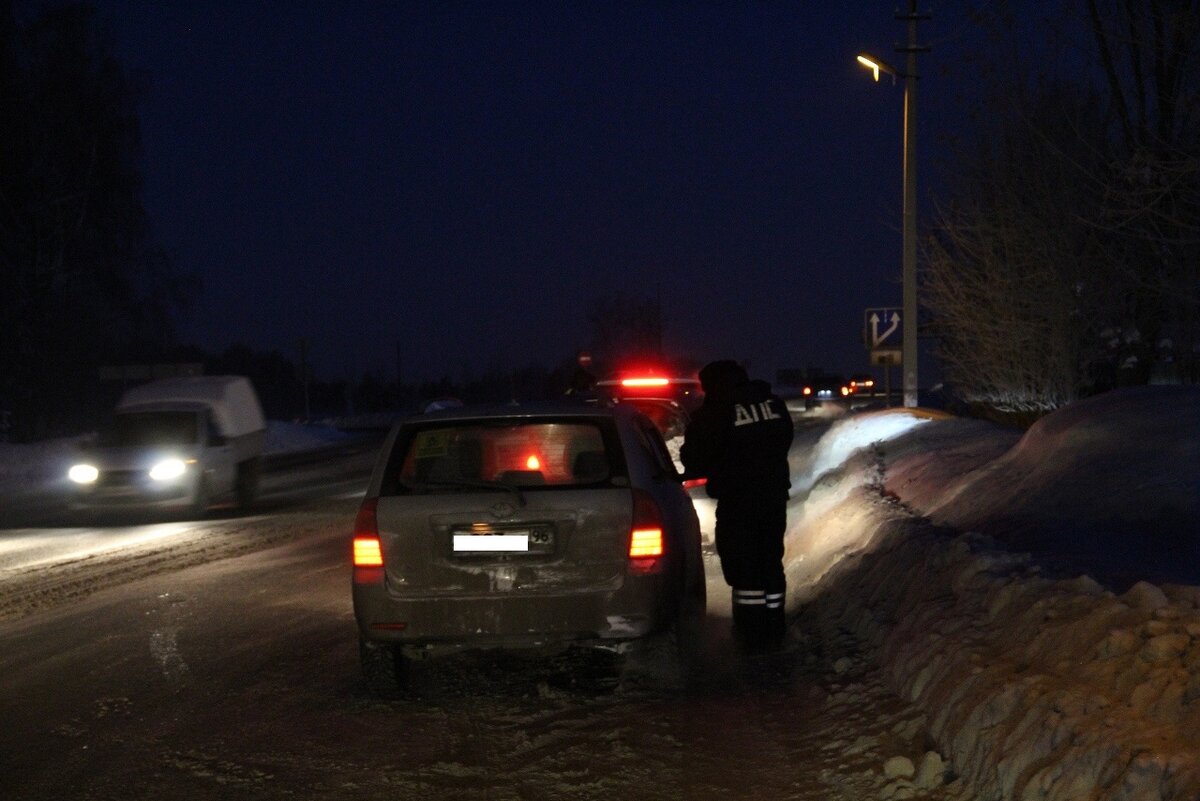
(739, 440)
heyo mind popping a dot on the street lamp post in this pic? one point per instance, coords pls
(909, 264)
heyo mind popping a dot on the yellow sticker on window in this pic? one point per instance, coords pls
(431, 444)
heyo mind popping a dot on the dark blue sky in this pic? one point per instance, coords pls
(464, 178)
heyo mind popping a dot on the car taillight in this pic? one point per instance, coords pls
(694, 482)
(808, 390)
(368, 551)
(646, 540)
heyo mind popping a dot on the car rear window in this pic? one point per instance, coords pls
(528, 454)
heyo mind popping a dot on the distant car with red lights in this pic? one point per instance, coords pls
(550, 525)
(826, 389)
(862, 384)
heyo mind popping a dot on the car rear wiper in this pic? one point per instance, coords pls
(470, 483)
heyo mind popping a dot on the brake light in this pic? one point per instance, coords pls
(845, 390)
(694, 482)
(533, 462)
(368, 551)
(646, 540)
(645, 382)
(808, 390)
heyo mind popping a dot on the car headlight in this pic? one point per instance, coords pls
(168, 469)
(83, 473)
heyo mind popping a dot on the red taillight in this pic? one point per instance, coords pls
(645, 382)
(368, 552)
(808, 390)
(646, 541)
(533, 462)
(691, 483)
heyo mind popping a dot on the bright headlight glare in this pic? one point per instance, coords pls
(167, 469)
(83, 473)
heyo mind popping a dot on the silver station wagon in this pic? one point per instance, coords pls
(522, 526)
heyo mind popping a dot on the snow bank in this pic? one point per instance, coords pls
(1034, 687)
(291, 437)
(34, 464)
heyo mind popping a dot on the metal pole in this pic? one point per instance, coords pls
(909, 276)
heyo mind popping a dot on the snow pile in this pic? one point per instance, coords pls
(34, 464)
(291, 437)
(1034, 687)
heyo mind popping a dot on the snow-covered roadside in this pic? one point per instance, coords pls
(1033, 687)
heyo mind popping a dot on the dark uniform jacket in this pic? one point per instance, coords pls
(739, 440)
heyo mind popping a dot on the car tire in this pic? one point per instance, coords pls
(247, 482)
(384, 668)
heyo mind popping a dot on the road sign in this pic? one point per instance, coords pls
(881, 328)
(885, 357)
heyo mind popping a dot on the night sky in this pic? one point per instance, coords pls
(464, 178)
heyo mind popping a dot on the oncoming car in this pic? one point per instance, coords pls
(517, 527)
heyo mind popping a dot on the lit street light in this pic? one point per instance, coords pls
(909, 268)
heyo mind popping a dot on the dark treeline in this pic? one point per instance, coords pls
(82, 281)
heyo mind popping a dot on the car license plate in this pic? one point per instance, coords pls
(536, 540)
(492, 542)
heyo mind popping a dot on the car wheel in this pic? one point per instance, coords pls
(247, 482)
(384, 668)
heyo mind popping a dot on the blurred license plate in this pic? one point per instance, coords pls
(492, 542)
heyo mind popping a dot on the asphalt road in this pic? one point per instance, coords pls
(221, 662)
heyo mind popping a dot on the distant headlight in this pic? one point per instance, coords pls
(167, 469)
(83, 473)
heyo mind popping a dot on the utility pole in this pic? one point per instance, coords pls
(909, 272)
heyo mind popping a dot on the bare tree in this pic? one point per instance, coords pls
(1066, 260)
(1148, 51)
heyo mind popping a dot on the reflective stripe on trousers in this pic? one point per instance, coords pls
(771, 600)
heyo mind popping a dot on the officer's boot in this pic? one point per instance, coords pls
(748, 620)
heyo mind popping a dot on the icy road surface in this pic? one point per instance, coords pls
(225, 666)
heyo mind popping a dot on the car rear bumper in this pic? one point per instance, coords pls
(517, 620)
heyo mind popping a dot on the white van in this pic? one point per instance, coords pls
(176, 443)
